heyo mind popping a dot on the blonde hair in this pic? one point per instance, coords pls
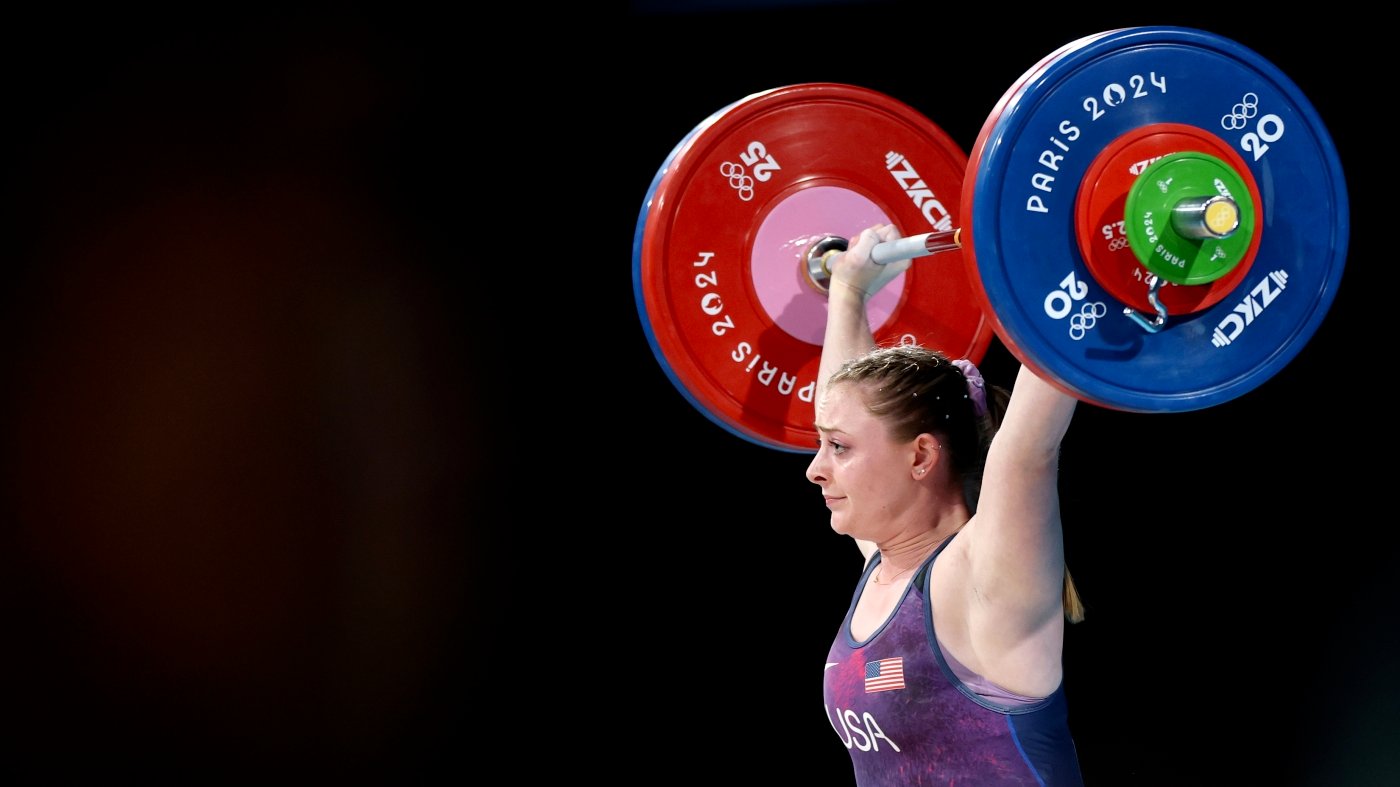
(1074, 608)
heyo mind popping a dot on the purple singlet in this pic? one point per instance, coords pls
(898, 705)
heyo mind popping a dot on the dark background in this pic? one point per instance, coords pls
(242, 449)
(333, 446)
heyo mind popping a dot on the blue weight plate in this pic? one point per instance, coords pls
(1030, 161)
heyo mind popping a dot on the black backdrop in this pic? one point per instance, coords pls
(333, 445)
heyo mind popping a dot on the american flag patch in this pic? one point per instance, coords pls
(885, 674)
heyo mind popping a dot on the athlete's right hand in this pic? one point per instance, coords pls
(853, 268)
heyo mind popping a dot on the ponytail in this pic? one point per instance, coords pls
(1074, 608)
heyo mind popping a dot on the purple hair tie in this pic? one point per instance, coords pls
(976, 387)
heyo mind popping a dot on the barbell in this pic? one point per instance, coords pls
(1154, 219)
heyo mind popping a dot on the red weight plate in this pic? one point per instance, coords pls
(719, 264)
(1099, 209)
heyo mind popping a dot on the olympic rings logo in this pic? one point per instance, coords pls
(1117, 243)
(1241, 113)
(738, 180)
(1080, 324)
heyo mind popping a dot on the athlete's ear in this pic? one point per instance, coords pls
(926, 455)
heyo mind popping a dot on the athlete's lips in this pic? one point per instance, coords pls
(829, 500)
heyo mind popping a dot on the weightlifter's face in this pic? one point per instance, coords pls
(857, 464)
